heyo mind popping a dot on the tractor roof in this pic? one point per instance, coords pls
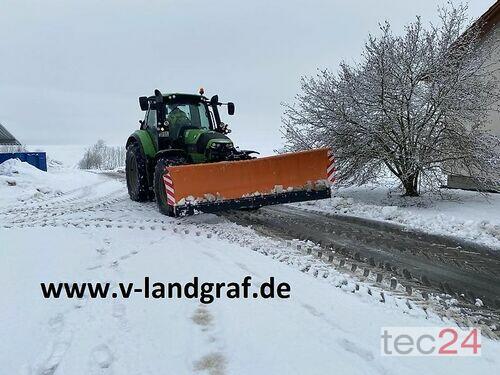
(174, 97)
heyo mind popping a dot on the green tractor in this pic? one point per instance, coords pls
(182, 157)
(177, 129)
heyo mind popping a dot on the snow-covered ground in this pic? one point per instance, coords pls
(465, 214)
(20, 182)
(83, 228)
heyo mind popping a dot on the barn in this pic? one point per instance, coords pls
(7, 139)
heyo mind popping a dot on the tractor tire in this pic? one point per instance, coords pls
(159, 186)
(136, 173)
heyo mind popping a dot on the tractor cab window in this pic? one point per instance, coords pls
(194, 115)
(182, 116)
(151, 119)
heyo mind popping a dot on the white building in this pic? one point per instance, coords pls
(491, 20)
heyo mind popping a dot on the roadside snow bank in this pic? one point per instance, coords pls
(465, 214)
(20, 181)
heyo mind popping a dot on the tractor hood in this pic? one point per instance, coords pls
(202, 139)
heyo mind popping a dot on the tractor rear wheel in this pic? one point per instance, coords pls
(136, 173)
(160, 187)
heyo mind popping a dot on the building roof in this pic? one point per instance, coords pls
(490, 18)
(6, 138)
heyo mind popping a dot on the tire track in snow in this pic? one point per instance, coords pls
(349, 275)
(89, 206)
(50, 200)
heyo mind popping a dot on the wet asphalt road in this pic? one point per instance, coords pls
(449, 265)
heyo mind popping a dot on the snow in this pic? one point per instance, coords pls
(465, 214)
(321, 329)
(19, 181)
(85, 229)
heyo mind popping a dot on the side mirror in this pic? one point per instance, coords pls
(214, 100)
(230, 108)
(143, 102)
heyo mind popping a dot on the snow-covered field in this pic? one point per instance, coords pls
(465, 214)
(74, 226)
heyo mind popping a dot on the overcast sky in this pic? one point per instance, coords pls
(71, 71)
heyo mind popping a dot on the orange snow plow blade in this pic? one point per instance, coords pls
(284, 178)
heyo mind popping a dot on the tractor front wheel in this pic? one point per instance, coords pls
(161, 184)
(137, 178)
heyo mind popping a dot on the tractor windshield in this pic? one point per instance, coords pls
(189, 114)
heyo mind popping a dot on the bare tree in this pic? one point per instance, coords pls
(416, 105)
(101, 156)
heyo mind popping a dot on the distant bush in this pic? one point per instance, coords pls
(12, 148)
(102, 156)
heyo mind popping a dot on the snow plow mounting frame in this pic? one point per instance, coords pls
(252, 202)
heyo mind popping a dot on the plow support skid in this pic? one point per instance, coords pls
(251, 183)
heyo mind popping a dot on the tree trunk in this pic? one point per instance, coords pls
(410, 184)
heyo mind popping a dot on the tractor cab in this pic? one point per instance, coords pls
(171, 115)
(190, 123)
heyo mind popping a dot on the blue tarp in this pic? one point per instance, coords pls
(36, 159)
